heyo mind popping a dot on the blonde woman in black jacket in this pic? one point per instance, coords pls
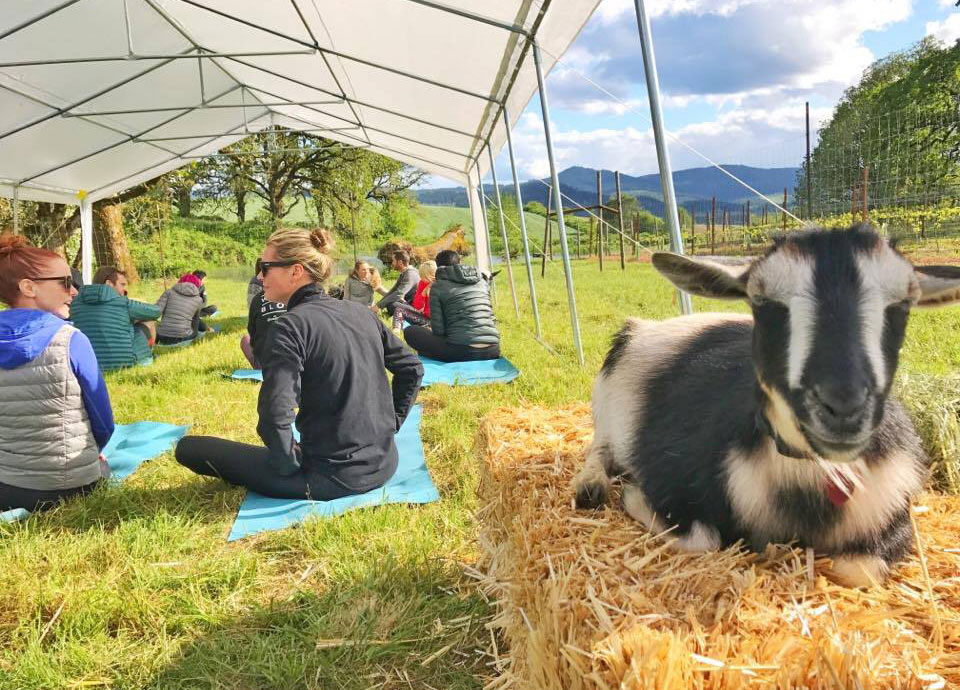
(328, 358)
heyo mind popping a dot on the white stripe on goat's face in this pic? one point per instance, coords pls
(830, 311)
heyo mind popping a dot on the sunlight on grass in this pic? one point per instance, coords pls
(135, 586)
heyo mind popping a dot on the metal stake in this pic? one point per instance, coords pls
(503, 232)
(523, 225)
(562, 229)
(663, 155)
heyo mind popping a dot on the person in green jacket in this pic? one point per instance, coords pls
(462, 326)
(121, 330)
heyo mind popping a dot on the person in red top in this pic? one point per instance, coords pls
(417, 313)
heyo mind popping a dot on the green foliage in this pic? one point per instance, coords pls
(535, 207)
(900, 125)
(183, 249)
(397, 218)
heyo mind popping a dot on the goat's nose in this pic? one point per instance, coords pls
(841, 403)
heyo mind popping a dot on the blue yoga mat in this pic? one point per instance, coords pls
(410, 484)
(468, 373)
(130, 446)
(450, 373)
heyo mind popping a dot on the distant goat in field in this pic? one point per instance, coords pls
(778, 427)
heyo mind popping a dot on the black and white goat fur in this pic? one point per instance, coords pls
(775, 427)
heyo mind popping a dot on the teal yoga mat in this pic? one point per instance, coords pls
(468, 373)
(130, 446)
(451, 373)
(411, 484)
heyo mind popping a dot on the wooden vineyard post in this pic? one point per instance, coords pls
(863, 190)
(546, 236)
(623, 258)
(713, 225)
(784, 214)
(693, 233)
(601, 245)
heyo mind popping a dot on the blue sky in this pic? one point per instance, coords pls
(734, 73)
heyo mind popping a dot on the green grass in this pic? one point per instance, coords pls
(135, 586)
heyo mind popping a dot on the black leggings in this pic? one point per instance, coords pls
(246, 465)
(435, 347)
(37, 499)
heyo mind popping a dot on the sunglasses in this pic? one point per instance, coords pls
(65, 281)
(265, 266)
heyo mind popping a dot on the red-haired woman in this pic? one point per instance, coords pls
(55, 414)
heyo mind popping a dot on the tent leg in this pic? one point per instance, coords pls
(479, 242)
(86, 240)
(663, 155)
(503, 232)
(561, 228)
(486, 229)
(523, 225)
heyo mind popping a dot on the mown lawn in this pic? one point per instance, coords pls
(135, 586)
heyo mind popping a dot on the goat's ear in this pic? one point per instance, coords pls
(939, 285)
(716, 277)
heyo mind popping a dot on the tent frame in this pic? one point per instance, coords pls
(313, 47)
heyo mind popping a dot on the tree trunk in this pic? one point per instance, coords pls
(57, 224)
(109, 240)
(276, 206)
(184, 201)
(241, 201)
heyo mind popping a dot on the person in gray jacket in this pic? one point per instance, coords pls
(462, 326)
(404, 288)
(360, 285)
(181, 307)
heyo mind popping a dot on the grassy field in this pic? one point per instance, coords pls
(135, 586)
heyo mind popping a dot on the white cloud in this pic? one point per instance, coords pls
(947, 31)
(731, 49)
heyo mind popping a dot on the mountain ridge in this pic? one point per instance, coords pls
(693, 186)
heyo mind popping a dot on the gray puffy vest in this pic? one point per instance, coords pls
(180, 304)
(46, 441)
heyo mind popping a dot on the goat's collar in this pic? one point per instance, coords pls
(784, 448)
(838, 490)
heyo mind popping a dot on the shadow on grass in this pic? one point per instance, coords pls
(108, 508)
(405, 624)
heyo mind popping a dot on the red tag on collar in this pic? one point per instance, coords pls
(839, 495)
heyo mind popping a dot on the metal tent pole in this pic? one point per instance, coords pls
(86, 240)
(486, 226)
(561, 228)
(503, 232)
(523, 224)
(663, 156)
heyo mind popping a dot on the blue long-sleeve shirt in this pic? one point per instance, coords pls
(93, 388)
(25, 334)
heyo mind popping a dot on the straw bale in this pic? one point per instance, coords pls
(592, 600)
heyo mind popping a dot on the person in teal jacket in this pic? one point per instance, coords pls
(120, 329)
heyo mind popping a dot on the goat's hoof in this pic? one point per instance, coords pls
(591, 496)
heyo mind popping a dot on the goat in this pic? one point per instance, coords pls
(774, 427)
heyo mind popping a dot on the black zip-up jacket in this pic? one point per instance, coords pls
(327, 356)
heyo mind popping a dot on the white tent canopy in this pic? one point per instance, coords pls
(97, 96)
